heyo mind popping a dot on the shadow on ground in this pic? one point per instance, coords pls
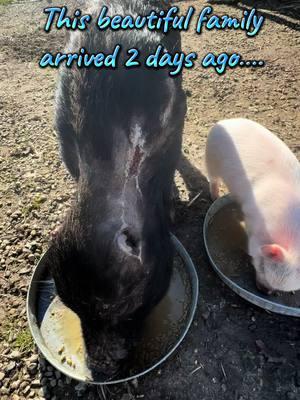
(274, 10)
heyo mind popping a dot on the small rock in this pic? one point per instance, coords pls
(57, 374)
(205, 315)
(36, 383)
(32, 368)
(43, 363)
(32, 359)
(24, 271)
(53, 383)
(15, 355)
(135, 383)
(31, 257)
(10, 366)
(44, 381)
(15, 385)
(23, 385)
(6, 382)
(2, 375)
(26, 391)
(80, 389)
(4, 390)
(15, 397)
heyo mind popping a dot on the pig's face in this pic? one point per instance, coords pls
(110, 276)
(276, 270)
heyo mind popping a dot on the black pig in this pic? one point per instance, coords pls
(120, 134)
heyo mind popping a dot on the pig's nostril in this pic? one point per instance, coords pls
(129, 243)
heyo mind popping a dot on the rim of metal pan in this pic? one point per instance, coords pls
(244, 293)
(36, 334)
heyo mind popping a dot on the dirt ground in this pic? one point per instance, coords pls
(233, 351)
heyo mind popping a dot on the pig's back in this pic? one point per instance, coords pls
(241, 152)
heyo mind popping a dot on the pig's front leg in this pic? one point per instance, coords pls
(214, 188)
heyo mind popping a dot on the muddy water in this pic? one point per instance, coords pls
(166, 322)
(61, 329)
(227, 241)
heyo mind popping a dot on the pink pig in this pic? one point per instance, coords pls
(263, 176)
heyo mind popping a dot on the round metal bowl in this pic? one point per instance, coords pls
(35, 317)
(227, 255)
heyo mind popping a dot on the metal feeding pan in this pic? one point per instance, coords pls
(163, 331)
(226, 245)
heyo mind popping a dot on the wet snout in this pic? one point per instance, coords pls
(106, 351)
(129, 242)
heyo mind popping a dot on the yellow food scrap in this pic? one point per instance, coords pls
(62, 333)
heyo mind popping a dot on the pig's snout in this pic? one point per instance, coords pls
(129, 242)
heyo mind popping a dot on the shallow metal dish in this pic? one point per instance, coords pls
(34, 317)
(238, 276)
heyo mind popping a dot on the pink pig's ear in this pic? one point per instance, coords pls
(273, 251)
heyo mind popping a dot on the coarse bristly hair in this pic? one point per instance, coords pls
(120, 135)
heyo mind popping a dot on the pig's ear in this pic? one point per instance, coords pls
(274, 252)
